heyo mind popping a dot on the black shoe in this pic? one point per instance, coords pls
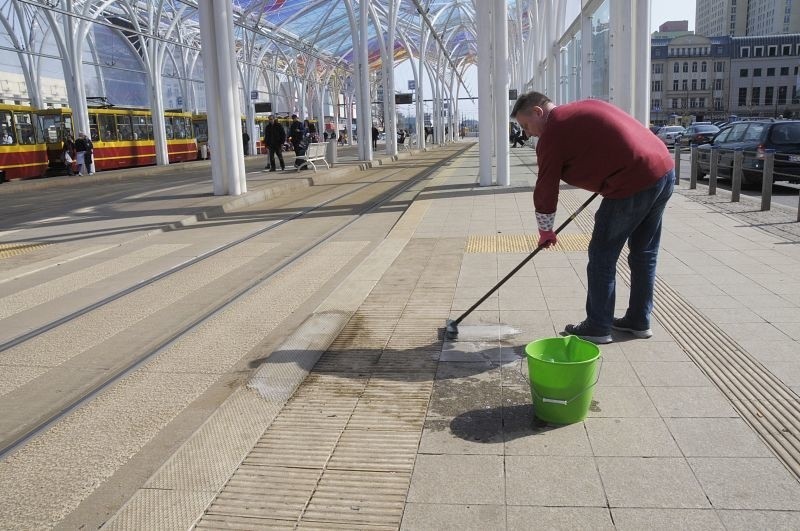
(272, 169)
(623, 324)
(584, 331)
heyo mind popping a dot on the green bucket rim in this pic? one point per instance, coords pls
(566, 339)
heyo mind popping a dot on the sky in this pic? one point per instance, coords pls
(664, 10)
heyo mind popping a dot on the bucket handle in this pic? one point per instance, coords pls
(555, 400)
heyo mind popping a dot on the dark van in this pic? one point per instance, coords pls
(754, 138)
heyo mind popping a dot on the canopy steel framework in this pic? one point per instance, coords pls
(309, 54)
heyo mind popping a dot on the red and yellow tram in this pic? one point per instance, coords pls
(22, 149)
(122, 138)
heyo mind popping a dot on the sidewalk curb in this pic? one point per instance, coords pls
(269, 192)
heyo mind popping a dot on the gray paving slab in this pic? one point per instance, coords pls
(660, 482)
(427, 516)
(642, 437)
(670, 373)
(530, 439)
(521, 518)
(650, 350)
(748, 520)
(464, 435)
(767, 351)
(618, 402)
(690, 402)
(716, 437)
(666, 519)
(617, 373)
(553, 481)
(747, 483)
(458, 479)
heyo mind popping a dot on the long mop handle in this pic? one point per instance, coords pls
(525, 261)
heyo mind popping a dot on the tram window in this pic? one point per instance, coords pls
(149, 127)
(124, 130)
(180, 129)
(25, 131)
(201, 130)
(6, 131)
(94, 133)
(139, 127)
(53, 128)
(168, 127)
(108, 128)
(66, 128)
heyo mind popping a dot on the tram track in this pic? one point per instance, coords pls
(51, 416)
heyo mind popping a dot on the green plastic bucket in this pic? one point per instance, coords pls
(563, 372)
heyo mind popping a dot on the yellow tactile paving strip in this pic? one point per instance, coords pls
(7, 250)
(523, 243)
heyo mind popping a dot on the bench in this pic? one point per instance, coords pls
(314, 153)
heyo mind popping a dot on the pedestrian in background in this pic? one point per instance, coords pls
(375, 135)
(80, 152)
(68, 154)
(596, 146)
(274, 137)
(297, 135)
(246, 143)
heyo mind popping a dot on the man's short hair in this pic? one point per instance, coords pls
(529, 100)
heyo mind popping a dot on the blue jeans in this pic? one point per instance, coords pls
(637, 220)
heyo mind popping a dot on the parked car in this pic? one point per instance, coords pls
(754, 138)
(697, 134)
(668, 133)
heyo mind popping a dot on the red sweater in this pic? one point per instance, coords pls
(596, 146)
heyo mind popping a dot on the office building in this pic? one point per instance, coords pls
(741, 18)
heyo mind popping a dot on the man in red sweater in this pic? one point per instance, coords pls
(596, 146)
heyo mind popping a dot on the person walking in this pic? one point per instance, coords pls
(375, 135)
(246, 143)
(516, 136)
(88, 157)
(274, 137)
(596, 146)
(80, 152)
(297, 135)
(68, 154)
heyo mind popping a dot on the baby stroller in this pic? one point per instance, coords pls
(300, 151)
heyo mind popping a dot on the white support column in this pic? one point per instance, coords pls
(230, 120)
(208, 39)
(391, 119)
(485, 99)
(157, 103)
(621, 83)
(420, 78)
(587, 57)
(641, 62)
(348, 113)
(224, 113)
(500, 76)
(365, 107)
